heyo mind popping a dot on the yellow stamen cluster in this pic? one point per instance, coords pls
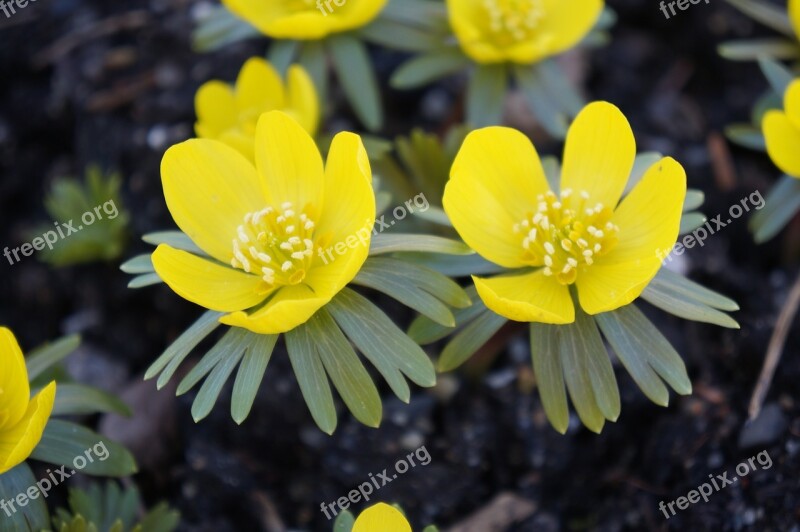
(566, 235)
(517, 19)
(276, 244)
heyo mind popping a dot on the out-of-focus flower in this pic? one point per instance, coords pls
(263, 223)
(794, 15)
(381, 518)
(499, 201)
(305, 19)
(782, 131)
(520, 31)
(230, 113)
(22, 419)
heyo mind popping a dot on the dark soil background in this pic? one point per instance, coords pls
(122, 92)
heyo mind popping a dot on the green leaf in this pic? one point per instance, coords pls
(344, 523)
(314, 59)
(425, 331)
(382, 342)
(601, 373)
(357, 78)
(46, 356)
(141, 281)
(231, 345)
(486, 95)
(694, 200)
(469, 339)
(220, 28)
(675, 283)
(747, 136)
(643, 337)
(175, 354)
(453, 265)
(780, 206)
(400, 37)
(560, 87)
(574, 361)
(429, 67)
(282, 53)
(768, 14)
(221, 372)
(160, 519)
(175, 239)
(65, 443)
(78, 399)
(382, 244)
(753, 49)
(346, 370)
(685, 307)
(138, 264)
(311, 377)
(34, 515)
(250, 375)
(420, 13)
(547, 112)
(691, 221)
(641, 164)
(779, 77)
(549, 373)
(552, 170)
(421, 277)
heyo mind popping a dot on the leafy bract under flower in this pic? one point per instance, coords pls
(520, 31)
(22, 419)
(305, 19)
(782, 131)
(230, 114)
(381, 517)
(264, 226)
(501, 204)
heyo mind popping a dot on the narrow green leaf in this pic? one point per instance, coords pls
(221, 28)
(175, 239)
(282, 53)
(752, 49)
(392, 243)
(469, 339)
(231, 345)
(539, 100)
(425, 331)
(561, 88)
(311, 377)
(747, 136)
(549, 374)
(768, 14)
(781, 205)
(187, 341)
(314, 59)
(78, 399)
(685, 307)
(595, 356)
(71, 445)
(34, 515)
(694, 200)
(48, 355)
(424, 278)
(678, 284)
(344, 523)
(453, 265)
(426, 68)
(209, 392)
(486, 95)
(421, 13)
(552, 170)
(641, 164)
(574, 362)
(138, 264)
(400, 37)
(160, 519)
(691, 221)
(142, 281)
(778, 76)
(250, 375)
(357, 78)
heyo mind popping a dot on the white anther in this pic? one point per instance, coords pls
(242, 236)
(548, 260)
(286, 266)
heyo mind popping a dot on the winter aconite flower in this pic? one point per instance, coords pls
(581, 238)
(794, 16)
(520, 31)
(262, 224)
(782, 131)
(230, 113)
(305, 19)
(22, 419)
(381, 518)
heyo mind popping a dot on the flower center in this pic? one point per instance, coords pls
(566, 235)
(276, 244)
(513, 20)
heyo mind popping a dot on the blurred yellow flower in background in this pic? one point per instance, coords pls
(499, 201)
(305, 19)
(782, 131)
(794, 15)
(520, 31)
(381, 518)
(230, 113)
(22, 419)
(262, 225)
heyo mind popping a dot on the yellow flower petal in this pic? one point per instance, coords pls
(567, 23)
(206, 283)
(345, 227)
(599, 154)
(14, 390)
(794, 15)
(289, 307)
(791, 103)
(215, 105)
(381, 518)
(782, 139)
(493, 185)
(259, 86)
(289, 162)
(649, 220)
(527, 297)
(18, 442)
(302, 98)
(209, 188)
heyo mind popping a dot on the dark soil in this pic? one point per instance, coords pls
(122, 97)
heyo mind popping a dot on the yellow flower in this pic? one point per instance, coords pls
(230, 113)
(782, 132)
(305, 19)
(265, 225)
(501, 204)
(520, 31)
(794, 15)
(381, 518)
(22, 419)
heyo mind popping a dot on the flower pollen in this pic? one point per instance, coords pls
(513, 21)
